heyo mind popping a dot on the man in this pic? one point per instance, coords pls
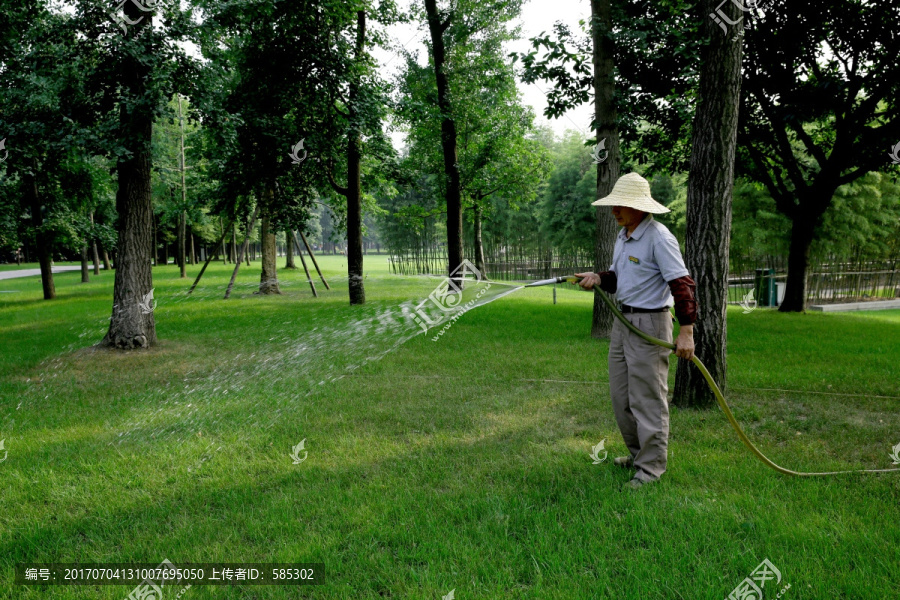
(648, 277)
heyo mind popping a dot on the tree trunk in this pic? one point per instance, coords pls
(354, 188)
(193, 249)
(44, 249)
(234, 243)
(448, 139)
(85, 278)
(224, 245)
(132, 324)
(711, 179)
(289, 250)
(106, 265)
(605, 116)
(155, 241)
(96, 254)
(182, 246)
(798, 263)
(268, 280)
(479, 246)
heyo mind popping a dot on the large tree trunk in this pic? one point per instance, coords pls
(268, 280)
(711, 179)
(608, 170)
(132, 324)
(44, 249)
(354, 187)
(479, 244)
(798, 264)
(448, 139)
(289, 250)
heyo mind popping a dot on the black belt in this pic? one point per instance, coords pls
(633, 309)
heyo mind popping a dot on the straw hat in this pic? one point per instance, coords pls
(633, 191)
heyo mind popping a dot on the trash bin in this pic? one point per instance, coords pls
(765, 289)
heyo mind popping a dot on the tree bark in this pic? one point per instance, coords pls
(802, 232)
(268, 280)
(44, 249)
(96, 254)
(85, 277)
(354, 187)
(448, 140)
(132, 324)
(711, 178)
(182, 254)
(479, 245)
(106, 265)
(289, 250)
(605, 117)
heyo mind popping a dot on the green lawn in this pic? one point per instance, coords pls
(460, 464)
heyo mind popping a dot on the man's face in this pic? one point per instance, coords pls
(628, 217)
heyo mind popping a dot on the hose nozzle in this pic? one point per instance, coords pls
(552, 280)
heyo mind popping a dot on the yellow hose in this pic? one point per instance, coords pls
(719, 397)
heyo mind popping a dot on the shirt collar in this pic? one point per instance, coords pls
(639, 230)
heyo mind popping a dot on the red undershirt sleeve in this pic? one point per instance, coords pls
(608, 281)
(683, 290)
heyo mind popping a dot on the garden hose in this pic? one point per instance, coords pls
(709, 380)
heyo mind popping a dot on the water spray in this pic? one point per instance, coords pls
(709, 380)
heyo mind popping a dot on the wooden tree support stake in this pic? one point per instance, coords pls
(313, 257)
(242, 252)
(208, 260)
(305, 268)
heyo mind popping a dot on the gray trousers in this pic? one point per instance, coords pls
(638, 384)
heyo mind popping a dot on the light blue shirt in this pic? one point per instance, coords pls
(644, 263)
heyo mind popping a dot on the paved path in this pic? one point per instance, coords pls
(870, 305)
(31, 272)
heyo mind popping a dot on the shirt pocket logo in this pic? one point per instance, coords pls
(634, 260)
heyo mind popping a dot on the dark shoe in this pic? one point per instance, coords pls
(636, 483)
(626, 462)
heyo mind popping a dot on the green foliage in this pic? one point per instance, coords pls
(567, 217)
(863, 220)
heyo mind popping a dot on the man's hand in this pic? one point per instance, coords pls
(684, 343)
(588, 280)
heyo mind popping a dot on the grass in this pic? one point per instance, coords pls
(457, 464)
